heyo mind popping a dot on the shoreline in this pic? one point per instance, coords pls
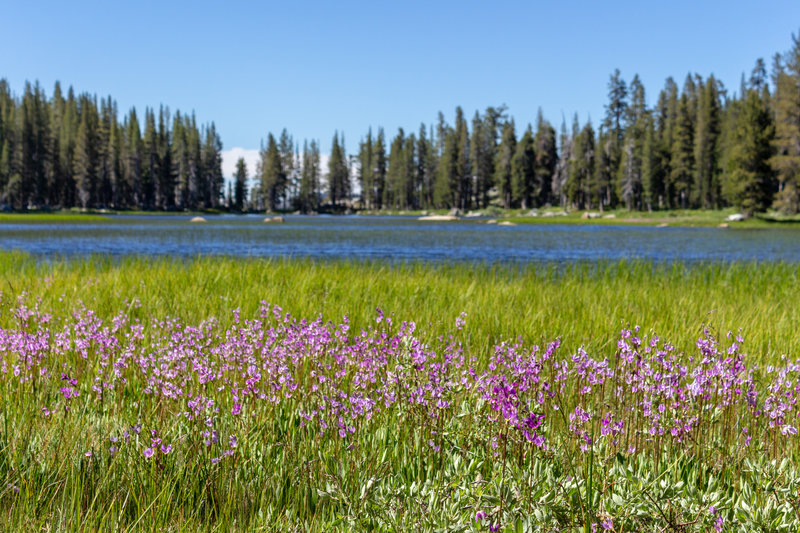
(672, 218)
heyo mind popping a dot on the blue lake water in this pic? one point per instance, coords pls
(397, 239)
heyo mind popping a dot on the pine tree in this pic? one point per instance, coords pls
(287, 176)
(309, 183)
(197, 190)
(629, 177)
(104, 177)
(613, 126)
(602, 181)
(150, 164)
(412, 182)
(395, 174)
(133, 160)
(561, 176)
(706, 149)
(546, 160)
(167, 176)
(503, 171)
(366, 172)
(682, 155)
(582, 167)
(446, 186)
(523, 171)
(425, 169)
(666, 116)
(338, 173)
(8, 143)
(464, 181)
(34, 147)
(119, 192)
(786, 160)
(379, 173)
(240, 184)
(483, 147)
(179, 159)
(751, 185)
(652, 168)
(271, 175)
(212, 177)
(86, 161)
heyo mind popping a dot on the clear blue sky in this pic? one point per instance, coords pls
(314, 67)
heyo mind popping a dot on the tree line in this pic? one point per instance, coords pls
(698, 147)
(74, 151)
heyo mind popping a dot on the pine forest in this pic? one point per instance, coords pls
(700, 146)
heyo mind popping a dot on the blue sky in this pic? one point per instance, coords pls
(315, 67)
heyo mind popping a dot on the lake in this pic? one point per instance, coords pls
(396, 238)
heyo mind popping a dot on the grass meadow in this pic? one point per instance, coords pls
(297, 395)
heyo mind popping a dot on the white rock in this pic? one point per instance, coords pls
(438, 218)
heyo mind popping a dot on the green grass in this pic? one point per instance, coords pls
(675, 217)
(284, 478)
(584, 304)
(55, 217)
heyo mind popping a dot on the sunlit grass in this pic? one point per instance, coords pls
(405, 468)
(581, 303)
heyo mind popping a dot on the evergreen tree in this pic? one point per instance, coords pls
(134, 151)
(212, 177)
(34, 147)
(750, 185)
(652, 168)
(483, 147)
(601, 182)
(666, 119)
(271, 174)
(425, 169)
(447, 180)
(338, 173)
(523, 171)
(151, 172)
(630, 182)
(629, 177)
(682, 155)
(366, 172)
(786, 160)
(546, 160)
(412, 181)
(119, 192)
(240, 184)
(86, 154)
(379, 173)
(309, 183)
(287, 176)
(179, 158)
(610, 149)
(561, 176)
(706, 150)
(582, 167)
(393, 195)
(503, 174)
(104, 178)
(465, 178)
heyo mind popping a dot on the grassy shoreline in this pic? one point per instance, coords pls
(676, 218)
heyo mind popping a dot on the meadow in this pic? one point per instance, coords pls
(239, 394)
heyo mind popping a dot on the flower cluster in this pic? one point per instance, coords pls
(213, 380)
